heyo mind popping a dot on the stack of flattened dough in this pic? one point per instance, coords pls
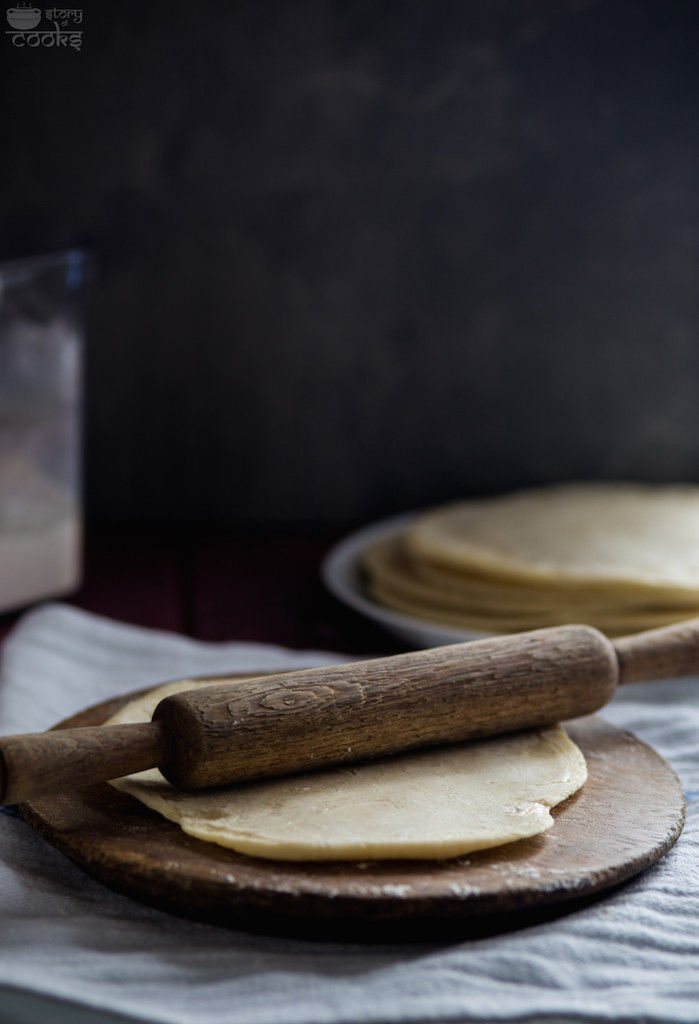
(619, 556)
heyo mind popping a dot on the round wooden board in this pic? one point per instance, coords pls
(628, 814)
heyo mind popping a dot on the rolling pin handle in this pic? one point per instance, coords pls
(38, 764)
(667, 653)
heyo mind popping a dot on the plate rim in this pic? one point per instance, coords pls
(339, 569)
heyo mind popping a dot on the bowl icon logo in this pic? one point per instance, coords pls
(23, 18)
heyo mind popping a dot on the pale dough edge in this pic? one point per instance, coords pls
(537, 818)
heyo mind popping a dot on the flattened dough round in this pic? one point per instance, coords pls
(469, 602)
(431, 804)
(620, 536)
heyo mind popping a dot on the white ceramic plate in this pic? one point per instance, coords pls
(341, 574)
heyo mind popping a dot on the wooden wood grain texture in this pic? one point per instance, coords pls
(50, 762)
(666, 653)
(628, 814)
(243, 729)
(294, 721)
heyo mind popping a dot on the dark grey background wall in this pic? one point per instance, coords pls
(354, 257)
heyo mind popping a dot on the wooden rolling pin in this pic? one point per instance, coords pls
(244, 729)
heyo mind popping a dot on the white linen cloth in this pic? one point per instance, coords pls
(72, 950)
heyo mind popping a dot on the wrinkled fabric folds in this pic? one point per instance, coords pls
(631, 955)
